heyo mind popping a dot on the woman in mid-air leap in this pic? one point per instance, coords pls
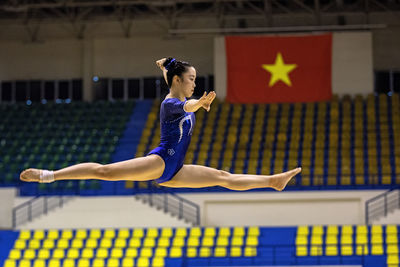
(165, 163)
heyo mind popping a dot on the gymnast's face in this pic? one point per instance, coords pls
(187, 81)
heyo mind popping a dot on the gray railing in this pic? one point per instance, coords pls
(379, 206)
(35, 207)
(171, 203)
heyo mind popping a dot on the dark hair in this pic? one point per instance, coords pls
(175, 67)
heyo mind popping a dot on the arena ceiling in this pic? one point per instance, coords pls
(243, 11)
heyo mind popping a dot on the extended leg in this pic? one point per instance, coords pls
(138, 169)
(196, 176)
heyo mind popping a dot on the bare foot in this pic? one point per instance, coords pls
(279, 181)
(30, 175)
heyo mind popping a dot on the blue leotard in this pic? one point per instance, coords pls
(176, 132)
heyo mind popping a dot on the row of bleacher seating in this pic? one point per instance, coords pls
(310, 245)
(53, 136)
(344, 142)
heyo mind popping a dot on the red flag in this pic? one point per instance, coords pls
(266, 69)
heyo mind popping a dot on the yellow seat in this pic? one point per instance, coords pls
(98, 263)
(102, 253)
(34, 244)
(146, 252)
(117, 253)
(393, 259)
(251, 241)
(138, 233)
(113, 263)
(331, 240)
(250, 251)
(39, 234)
(158, 262)
(224, 231)
(83, 263)
(43, 254)
(149, 242)
(49, 243)
(152, 232)
(10, 263)
(131, 253)
(209, 232)
(166, 232)
(317, 230)
(87, 253)
(58, 253)
(120, 243)
(236, 252)
(95, 233)
(195, 232)
(53, 234)
(127, 262)
(76, 243)
(193, 242)
(123, 233)
(205, 252)
(316, 250)
(238, 231)
(376, 239)
(361, 239)
(302, 230)
(81, 234)
(222, 241)
(301, 251)
(347, 240)
(160, 252)
(73, 253)
(24, 263)
(392, 249)
(377, 249)
(220, 252)
(163, 242)
(91, 243)
(109, 233)
(316, 239)
(54, 263)
(331, 251)
(24, 235)
(207, 242)
(69, 263)
(63, 243)
(237, 241)
(391, 229)
(20, 244)
(66, 234)
(347, 230)
(376, 229)
(362, 249)
(253, 231)
(181, 232)
(191, 252)
(332, 230)
(391, 239)
(143, 262)
(15, 254)
(106, 243)
(362, 229)
(301, 240)
(175, 252)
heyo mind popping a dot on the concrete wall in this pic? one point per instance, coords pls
(7, 196)
(282, 208)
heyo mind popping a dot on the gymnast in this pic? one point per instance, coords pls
(164, 164)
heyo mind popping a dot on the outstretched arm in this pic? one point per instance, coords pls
(205, 101)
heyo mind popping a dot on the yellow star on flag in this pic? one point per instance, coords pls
(279, 71)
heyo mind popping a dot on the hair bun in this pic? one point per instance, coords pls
(170, 63)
